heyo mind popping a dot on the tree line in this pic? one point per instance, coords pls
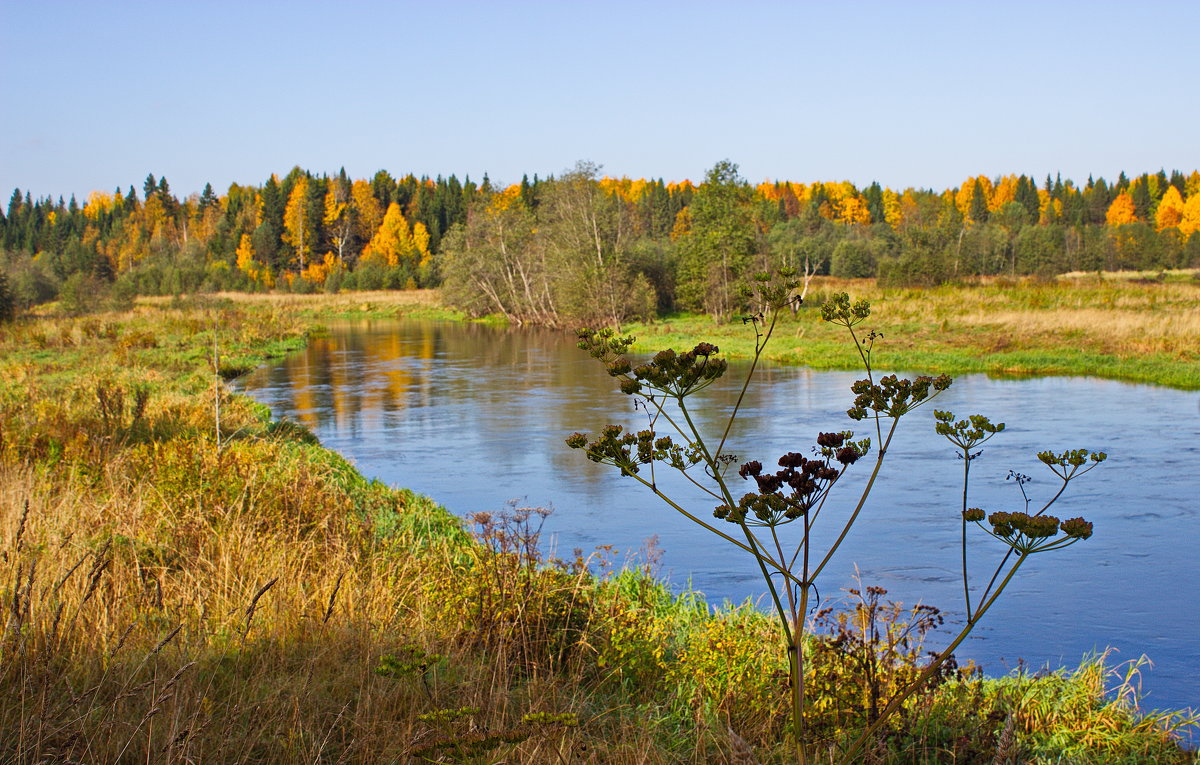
(580, 246)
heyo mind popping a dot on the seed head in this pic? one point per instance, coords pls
(1077, 528)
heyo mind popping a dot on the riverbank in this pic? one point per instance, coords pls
(1114, 326)
(1142, 331)
(189, 580)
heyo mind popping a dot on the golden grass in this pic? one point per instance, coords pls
(339, 302)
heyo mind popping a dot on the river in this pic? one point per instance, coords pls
(475, 416)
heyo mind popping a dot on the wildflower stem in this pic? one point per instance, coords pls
(862, 500)
(759, 345)
(966, 483)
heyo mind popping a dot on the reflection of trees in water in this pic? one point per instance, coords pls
(515, 393)
(520, 390)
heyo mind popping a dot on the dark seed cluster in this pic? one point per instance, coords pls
(799, 485)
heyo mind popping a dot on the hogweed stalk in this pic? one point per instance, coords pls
(796, 494)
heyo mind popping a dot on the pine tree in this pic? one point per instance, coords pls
(208, 198)
(1141, 197)
(874, 196)
(979, 210)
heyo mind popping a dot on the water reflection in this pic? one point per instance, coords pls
(475, 416)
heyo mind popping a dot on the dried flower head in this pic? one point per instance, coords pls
(893, 396)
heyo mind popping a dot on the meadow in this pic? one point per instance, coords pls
(186, 579)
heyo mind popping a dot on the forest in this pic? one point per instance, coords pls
(579, 246)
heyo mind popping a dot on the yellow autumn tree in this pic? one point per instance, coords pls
(1189, 222)
(1004, 192)
(250, 266)
(966, 193)
(420, 236)
(393, 243)
(296, 229)
(1121, 211)
(853, 210)
(338, 219)
(99, 203)
(683, 224)
(368, 213)
(891, 207)
(319, 270)
(1170, 209)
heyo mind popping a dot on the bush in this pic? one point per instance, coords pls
(81, 293)
(856, 258)
(31, 283)
(918, 267)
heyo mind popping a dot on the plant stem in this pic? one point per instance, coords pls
(862, 500)
(857, 746)
(966, 479)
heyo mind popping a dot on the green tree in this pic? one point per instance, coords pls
(494, 264)
(719, 248)
(979, 209)
(588, 234)
(1027, 197)
(856, 257)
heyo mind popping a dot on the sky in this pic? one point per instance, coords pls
(907, 93)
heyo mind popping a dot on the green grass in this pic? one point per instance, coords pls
(1129, 331)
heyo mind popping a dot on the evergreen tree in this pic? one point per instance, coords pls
(1096, 201)
(1141, 197)
(874, 196)
(978, 211)
(526, 191)
(1027, 196)
(383, 186)
(1160, 187)
(150, 186)
(208, 198)
(1179, 181)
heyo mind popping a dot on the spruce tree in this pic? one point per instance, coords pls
(1141, 197)
(979, 210)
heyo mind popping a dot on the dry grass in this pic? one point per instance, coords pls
(380, 300)
(152, 631)
(1118, 316)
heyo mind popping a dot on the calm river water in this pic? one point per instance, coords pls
(475, 416)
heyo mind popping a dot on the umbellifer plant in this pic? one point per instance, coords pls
(773, 521)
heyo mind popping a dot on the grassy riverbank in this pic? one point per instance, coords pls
(1136, 329)
(1142, 331)
(181, 590)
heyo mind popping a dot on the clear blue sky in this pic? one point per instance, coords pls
(96, 95)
